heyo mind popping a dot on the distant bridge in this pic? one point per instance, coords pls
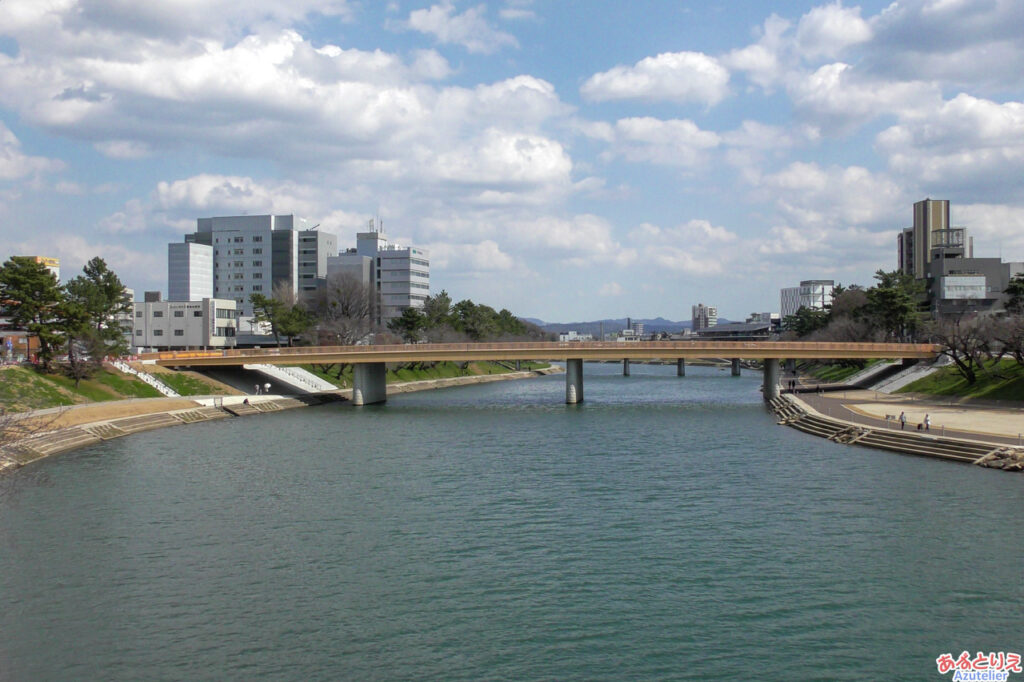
(369, 361)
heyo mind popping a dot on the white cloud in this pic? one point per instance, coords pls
(485, 256)
(14, 164)
(998, 229)
(762, 61)
(828, 30)
(674, 76)
(675, 142)
(123, 149)
(610, 289)
(469, 29)
(968, 146)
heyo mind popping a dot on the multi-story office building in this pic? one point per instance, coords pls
(189, 271)
(401, 274)
(814, 294)
(255, 254)
(703, 317)
(182, 325)
(930, 237)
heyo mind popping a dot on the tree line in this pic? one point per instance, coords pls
(81, 320)
(344, 310)
(893, 310)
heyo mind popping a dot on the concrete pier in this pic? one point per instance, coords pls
(369, 383)
(625, 367)
(681, 367)
(573, 381)
(772, 372)
(735, 367)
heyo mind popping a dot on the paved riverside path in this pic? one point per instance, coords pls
(999, 425)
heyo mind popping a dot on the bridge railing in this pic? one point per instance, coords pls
(714, 348)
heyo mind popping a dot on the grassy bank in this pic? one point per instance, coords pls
(834, 373)
(22, 388)
(420, 371)
(1002, 380)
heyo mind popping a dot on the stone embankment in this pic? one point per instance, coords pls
(792, 412)
(51, 442)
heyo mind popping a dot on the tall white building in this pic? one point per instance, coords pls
(814, 294)
(703, 317)
(400, 274)
(252, 255)
(189, 271)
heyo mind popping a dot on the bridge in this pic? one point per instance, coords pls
(369, 362)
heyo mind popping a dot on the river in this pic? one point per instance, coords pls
(667, 528)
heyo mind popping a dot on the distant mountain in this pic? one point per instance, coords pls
(658, 324)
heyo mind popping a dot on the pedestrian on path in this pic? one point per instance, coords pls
(903, 420)
(927, 423)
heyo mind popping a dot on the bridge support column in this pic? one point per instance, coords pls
(625, 367)
(519, 365)
(735, 367)
(771, 379)
(573, 381)
(681, 367)
(369, 383)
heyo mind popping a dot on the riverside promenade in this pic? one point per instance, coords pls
(997, 424)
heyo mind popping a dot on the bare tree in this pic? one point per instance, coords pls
(966, 341)
(344, 310)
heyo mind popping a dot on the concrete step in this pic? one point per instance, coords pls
(241, 409)
(106, 431)
(145, 422)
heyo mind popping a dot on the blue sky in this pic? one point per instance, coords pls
(567, 161)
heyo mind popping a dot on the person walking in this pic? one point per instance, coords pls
(903, 420)
(927, 423)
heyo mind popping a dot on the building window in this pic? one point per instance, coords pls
(158, 332)
(257, 263)
(239, 264)
(238, 252)
(257, 287)
(179, 313)
(239, 275)
(138, 332)
(179, 332)
(239, 240)
(138, 313)
(257, 252)
(257, 238)
(197, 313)
(158, 313)
(257, 275)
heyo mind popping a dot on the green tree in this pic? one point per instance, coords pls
(894, 304)
(294, 321)
(104, 301)
(1015, 290)
(31, 297)
(438, 310)
(805, 321)
(268, 310)
(409, 325)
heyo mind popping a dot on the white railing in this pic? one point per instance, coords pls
(295, 377)
(148, 378)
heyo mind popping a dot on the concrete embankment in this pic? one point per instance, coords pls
(799, 415)
(61, 431)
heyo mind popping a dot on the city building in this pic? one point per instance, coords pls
(774, 320)
(189, 271)
(703, 317)
(814, 294)
(252, 255)
(737, 331)
(931, 236)
(961, 285)
(572, 335)
(401, 274)
(183, 325)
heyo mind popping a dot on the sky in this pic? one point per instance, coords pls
(564, 160)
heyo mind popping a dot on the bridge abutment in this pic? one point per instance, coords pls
(625, 367)
(573, 381)
(735, 367)
(369, 383)
(680, 367)
(772, 372)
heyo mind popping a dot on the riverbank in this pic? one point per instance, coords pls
(57, 430)
(975, 435)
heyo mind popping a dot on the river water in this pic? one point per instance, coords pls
(667, 528)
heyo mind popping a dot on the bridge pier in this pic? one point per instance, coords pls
(369, 383)
(625, 367)
(735, 367)
(681, 367)
(519, 365)
(573, 381)
(772, 372)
